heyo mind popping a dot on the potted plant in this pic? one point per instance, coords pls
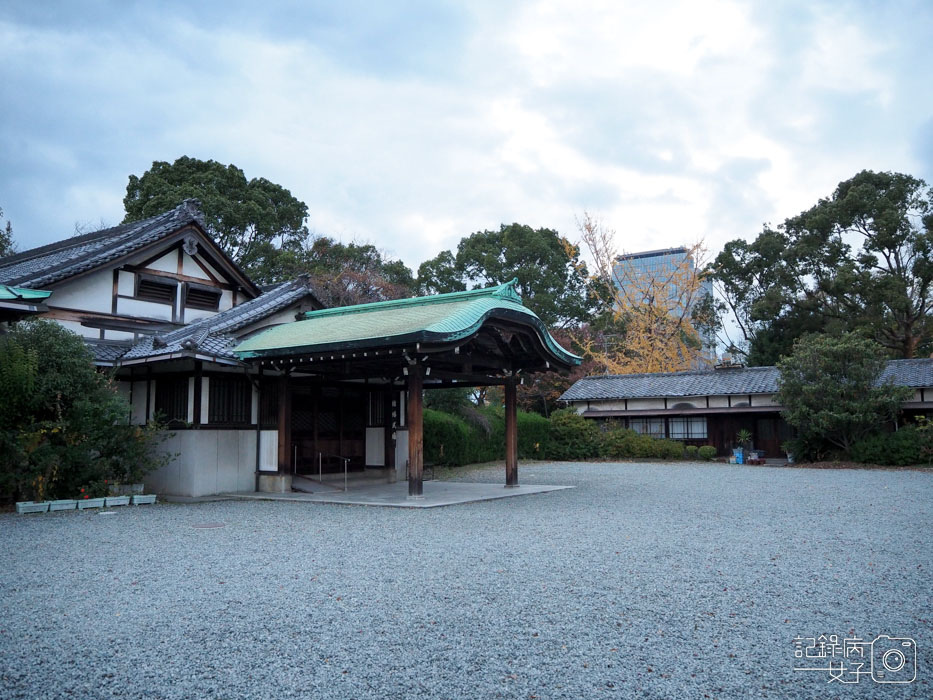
(32, 507)
(744, 438)
(88, 502)
(788, 448)
(63, 504)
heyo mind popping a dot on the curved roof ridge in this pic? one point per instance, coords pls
(440, 318)
(502, 291)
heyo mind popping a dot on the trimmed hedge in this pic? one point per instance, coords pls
(903, 447)
(447, 439)
(534, 436)
(621, 443)
(450, 439)
(707, 452)
(479, 436)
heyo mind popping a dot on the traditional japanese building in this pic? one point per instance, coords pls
(259, 385)
(709, 407)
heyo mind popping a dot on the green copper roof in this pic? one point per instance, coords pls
(438, 318)
(20, 294)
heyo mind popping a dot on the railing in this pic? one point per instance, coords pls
(320, 470)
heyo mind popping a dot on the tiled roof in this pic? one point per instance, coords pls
(215, 336)
(106, 353)
(57, 261)
(744, 380)
(915, 373)
(437, 318)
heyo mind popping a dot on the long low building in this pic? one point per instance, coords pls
(709, 407)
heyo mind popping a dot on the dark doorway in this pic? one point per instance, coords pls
(328, 423)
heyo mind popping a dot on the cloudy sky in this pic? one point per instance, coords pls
(411, 124)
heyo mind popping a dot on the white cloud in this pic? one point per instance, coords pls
(673, 121)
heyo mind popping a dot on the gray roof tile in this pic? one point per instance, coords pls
(57, 261)
(215, 336)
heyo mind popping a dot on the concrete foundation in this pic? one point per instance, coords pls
(205, 462)
(275, 483)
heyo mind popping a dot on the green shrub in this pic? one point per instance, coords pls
(707, 452)
(690, 451)
(573, 437)
(900, 448)
(670, 449)
(617, 443)
(478, 435)
(447, 438)
(534, 433)
(63, 426)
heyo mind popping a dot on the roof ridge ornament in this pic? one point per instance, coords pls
(192, 207)
(190, 245)
(507, 290)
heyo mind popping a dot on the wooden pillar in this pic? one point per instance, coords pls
(415, 432)
(285, 426)
(511, 433)
(148, 392)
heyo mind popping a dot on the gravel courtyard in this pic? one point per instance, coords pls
(646, 580)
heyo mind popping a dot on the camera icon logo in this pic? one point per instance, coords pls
(893, 659)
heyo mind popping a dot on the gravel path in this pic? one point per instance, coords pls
(647, 580)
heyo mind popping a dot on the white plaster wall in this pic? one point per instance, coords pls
(718, 402)
(189, 414)
(91, 293)
(190, 268)
(126, 283)
(763, 400)
(739, 399)
(205, 399)
(645, 404)
(285, 316)
(605, 405)
(144, 309)
(208, 462)
(76, 327)
(167, 263)
(375, 447)
(401, 453)
(269, 450)
(192, 315)
(213, 270)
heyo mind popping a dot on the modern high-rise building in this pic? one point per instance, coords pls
(667, 267)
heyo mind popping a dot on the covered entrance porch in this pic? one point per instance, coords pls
(349, 382)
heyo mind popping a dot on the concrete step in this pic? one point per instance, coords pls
(309, 483)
